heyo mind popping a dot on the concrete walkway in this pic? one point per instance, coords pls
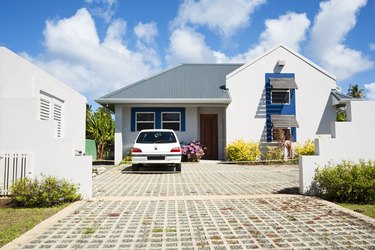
(206, 206)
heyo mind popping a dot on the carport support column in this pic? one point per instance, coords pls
(118, 134)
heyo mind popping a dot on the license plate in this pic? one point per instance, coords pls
(156, 157)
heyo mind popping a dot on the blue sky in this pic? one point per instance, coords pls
(97, 46)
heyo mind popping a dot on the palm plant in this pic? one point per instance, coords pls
(101, 128)
(355, 92)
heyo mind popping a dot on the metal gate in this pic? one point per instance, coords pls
(12, 167)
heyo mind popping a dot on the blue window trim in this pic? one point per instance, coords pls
(157, 112)
(279, 109)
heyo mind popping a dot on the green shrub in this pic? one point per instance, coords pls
(308, 148)
(273, 153)
(48, 192)
(347, 182)
(240, 150)
(128, 158)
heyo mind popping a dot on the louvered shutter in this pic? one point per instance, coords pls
(57, 116)
(52, 108)
(45, 110)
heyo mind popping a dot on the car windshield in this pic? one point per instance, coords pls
(156, 137)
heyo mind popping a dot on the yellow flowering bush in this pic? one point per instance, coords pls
(240, 150)
(308, 148)
(273, 153)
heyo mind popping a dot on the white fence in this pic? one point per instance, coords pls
(12, 167)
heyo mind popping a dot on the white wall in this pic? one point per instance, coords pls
(352, 140)
(21, 129)
(246, 114)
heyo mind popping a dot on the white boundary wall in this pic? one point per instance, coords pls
(352, 140)
(22, 129)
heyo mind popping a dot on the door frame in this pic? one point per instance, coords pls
(214, 134)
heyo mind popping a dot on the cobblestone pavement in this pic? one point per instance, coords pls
(207, 206)
(196, 180)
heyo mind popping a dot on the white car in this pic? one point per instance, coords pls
(156, 146)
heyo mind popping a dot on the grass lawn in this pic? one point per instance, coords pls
(16, 221)
(367, 209)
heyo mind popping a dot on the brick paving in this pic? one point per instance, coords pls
(197, 180)
(206, 206)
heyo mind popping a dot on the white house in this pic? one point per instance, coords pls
(220, 103)
(42, 125)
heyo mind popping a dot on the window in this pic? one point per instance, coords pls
(279, 133)
(145, 120)
(157, 118)
(280, 96)
(156, 137)
(51, 108)
(171, 120)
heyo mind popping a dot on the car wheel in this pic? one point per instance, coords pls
(178, 167)
(135, 167)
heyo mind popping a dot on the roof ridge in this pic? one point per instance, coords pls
(139, 82)
(165, 71)
(213, 64)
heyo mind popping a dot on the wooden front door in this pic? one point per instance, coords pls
(209, 135)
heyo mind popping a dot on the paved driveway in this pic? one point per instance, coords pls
(207, 206)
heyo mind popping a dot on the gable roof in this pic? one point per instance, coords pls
(317, 67)
(187, 83)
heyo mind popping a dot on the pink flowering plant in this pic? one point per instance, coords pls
(193, 151)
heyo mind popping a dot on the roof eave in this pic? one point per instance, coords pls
(163, 101)
(288, 49)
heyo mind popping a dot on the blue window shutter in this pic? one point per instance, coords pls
(279, 109)
(132, 120)
(294, 134)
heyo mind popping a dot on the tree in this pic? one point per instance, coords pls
(101, 128)
(355, 92)
(88, 117)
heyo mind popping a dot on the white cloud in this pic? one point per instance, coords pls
(331, 26)
(221, 16)
(75, 54)
(103, 8)
(146, 31)
(372, 46)
(370, 88)
(187, 45)
(279, 31)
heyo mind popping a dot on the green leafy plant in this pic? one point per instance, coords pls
(240, 150)
(273, 153)
(128, 157)
(48, 192)
(100, 127)
(308, 148)
(347, 182)
(341, 115)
